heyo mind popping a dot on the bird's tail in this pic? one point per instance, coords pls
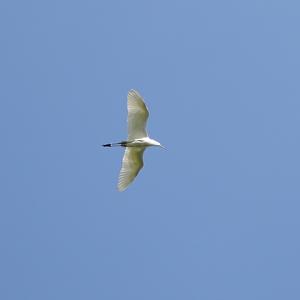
(115, 144)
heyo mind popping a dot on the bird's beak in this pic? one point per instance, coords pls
(163, 147)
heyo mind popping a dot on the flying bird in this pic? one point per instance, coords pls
(137, 141)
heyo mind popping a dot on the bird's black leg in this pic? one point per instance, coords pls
(122, 144)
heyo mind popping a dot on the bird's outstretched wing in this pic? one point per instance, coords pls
(131, 165)
(137, 116)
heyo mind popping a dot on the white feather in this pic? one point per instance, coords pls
(137, 116)
(131, 165)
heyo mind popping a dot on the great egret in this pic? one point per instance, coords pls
(138, 140)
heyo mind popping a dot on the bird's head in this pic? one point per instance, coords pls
(158, 144)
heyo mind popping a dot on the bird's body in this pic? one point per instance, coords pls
(143, 142)
(138, 140)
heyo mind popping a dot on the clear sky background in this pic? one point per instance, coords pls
(214, 217)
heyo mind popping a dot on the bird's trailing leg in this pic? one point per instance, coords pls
(123, 144)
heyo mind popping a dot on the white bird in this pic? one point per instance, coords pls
(138, 140)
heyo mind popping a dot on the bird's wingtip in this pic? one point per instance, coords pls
(121, 188)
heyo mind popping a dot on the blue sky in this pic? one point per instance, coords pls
(216, 216)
